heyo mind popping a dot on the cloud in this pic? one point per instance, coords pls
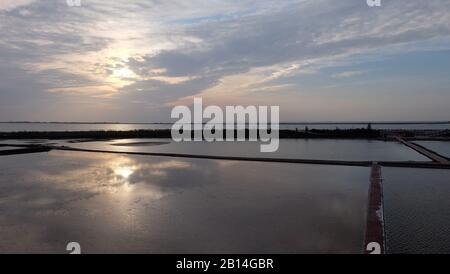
(315, 33)
(9, 5)
(178, 49)
(347, 74)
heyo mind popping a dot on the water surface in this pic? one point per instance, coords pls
(441, 147)
(140, 204)
(417, 210)
(317, 149)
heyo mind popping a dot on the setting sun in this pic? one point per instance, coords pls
(124, 73)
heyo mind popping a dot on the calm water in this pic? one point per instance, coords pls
(325, 149)
(114, 203)
(417, 210)
(7, 148)
(10, 127)
(442, 148)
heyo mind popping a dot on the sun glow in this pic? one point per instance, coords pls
(124, 73)
(124, 172)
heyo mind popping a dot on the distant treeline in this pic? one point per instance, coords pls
(362, 133)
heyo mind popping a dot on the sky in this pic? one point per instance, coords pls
(134, 60)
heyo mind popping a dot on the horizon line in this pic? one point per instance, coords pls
(167, 123)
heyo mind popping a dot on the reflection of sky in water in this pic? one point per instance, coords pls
(440, 147)
(115, 203)
(417, 210)
(320, 149)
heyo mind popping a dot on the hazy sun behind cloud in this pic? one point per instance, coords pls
(295, 53)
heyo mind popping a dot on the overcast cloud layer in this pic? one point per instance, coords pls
(320, 60)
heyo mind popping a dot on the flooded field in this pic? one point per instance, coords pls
(417, 215)
(317, 149)
(114, 203)
(441, 147)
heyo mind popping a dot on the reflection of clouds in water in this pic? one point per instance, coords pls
(225, 164)
(68, 177)
(159, 169)
(156, 204)
(79, 186)
(170, 175)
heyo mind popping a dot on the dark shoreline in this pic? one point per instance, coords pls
(362, 133)
(166, 133)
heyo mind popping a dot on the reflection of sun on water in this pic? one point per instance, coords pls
(124, 172)
(151, 173)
